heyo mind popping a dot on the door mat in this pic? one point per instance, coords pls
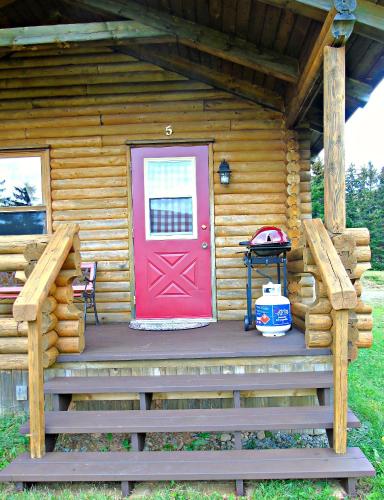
(167, 324)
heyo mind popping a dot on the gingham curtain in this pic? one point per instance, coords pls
(171, 215)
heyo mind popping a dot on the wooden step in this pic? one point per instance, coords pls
(215, 420)
(198, 465)
(189, 383)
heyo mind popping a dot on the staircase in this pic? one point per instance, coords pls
(237, 464)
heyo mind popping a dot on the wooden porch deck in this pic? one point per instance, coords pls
(225, 339)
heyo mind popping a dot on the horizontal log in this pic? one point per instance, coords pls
(67, 312)
(113, 297)
(295, 254)
(248, 198)
(9, 327)
(113, 286)
(84, 32)
(362, 308)
(49, 357)
(72, 262)
(49, 340)
(18, 244)
(70, 344)
(318, 339)
(17, 345)
(64, 294)
(49, 305)
(72, 194)
(249, 188)
(363, 253)
(249, 209)
(296, 266)
(65, 277)
(360, 235)
(319, 322)
(12, 262)
(13, 361)
(70, 328)
(364, 322)
(256, 145)
(360, 269)
(89, 172)
(299, 309)
(103, 213)
(104, 307)
(88, 183)
(365, 339)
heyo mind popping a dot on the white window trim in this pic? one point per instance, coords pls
(176, 193)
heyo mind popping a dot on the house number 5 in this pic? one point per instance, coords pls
(168, 130)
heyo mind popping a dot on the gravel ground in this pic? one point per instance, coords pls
(190, 441)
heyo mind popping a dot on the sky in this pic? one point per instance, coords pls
(364, 132)
(10, 169)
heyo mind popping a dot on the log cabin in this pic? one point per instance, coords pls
(152, 137)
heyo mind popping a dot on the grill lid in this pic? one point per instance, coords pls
(267, 235)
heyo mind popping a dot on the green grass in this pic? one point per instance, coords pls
(366, 398)
(374, 277)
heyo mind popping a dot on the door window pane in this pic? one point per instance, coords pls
(170, 198)
(171, 215)
(170, 175)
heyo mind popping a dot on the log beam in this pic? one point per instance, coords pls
(19, 38)
(300, 98)
(228, 47)
(202, 73)
(369, 16)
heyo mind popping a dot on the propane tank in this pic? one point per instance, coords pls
(273, 312)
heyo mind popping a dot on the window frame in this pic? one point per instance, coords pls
(43, 154)
(170, 194)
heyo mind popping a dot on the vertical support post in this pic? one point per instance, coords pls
(36, 388)
(340, 380)
(334, 152)
(335, 221)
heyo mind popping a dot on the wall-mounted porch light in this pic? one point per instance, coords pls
(224, 172)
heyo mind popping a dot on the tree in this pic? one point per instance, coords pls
(317, 186)
(364, 203)
(21, 196)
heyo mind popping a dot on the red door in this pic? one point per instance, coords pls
(171, 228)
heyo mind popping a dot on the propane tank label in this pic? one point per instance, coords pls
(273, 315)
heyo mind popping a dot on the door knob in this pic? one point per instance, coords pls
(203, 226)
(204, 245)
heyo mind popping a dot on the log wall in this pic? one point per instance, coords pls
(85, 104)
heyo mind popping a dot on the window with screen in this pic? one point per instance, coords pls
(170, 192)
(24, 193)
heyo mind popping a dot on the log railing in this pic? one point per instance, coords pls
(328, 318)
(60, 263)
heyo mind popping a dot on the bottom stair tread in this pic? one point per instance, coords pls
(311, 463)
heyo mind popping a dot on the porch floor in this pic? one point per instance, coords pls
(224, 339)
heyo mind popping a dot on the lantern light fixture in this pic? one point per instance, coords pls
(224, 172)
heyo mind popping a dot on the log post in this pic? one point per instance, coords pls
(335, 221)
(340, 380)
(334, 152)
(36, 388)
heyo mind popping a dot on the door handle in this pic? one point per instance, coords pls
(204, 245)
